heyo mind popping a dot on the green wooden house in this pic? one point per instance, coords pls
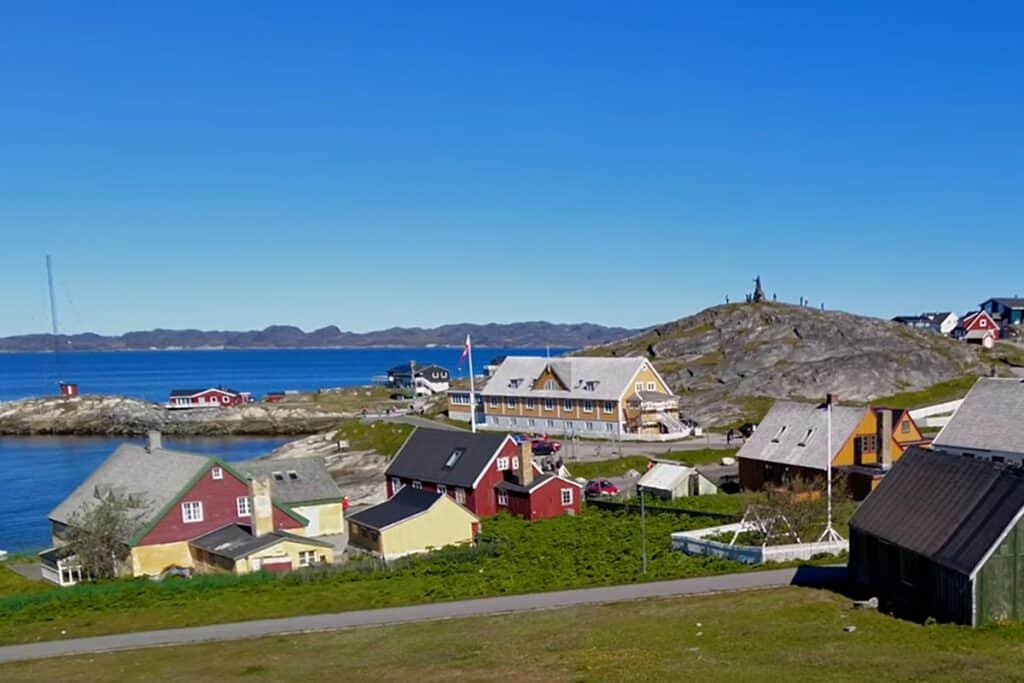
(942, 537)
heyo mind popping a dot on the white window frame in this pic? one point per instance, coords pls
(609, 407)
(529, 403)
(502, 464)
(503, 497)
(510, 402)
(192, 517)
(590, 426)
(243, 506)
(217, 473)
(396, 485)
(568, 405)
(639, 386)
(588, 406)
(460, 496)
(609, 426)
(494, 401)
(515, 463)
(651, 386)
(442, 489)
(567, 497)
(307, 558)
(549, 404)
(418, 485)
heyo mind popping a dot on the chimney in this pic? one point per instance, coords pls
(154, 441)
(525, 463)
(262, 510)
(884, 437)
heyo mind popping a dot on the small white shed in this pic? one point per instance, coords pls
(666, 480)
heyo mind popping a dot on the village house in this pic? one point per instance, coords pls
(942, 537)
(667, 480)
(1006, 311)
(941, 322)
(792, 443)
(213, 397)
(586, 396)
(412, 521)
(182, 498)
(486, 473)
(978, 328)
(305, 485)
(430, 379)
(989, 424)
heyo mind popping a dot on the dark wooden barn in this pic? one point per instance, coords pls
(942, 537)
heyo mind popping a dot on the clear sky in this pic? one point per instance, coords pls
(234, 165)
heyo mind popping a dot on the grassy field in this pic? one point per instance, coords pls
(348, 400)
(384, 437)
(938, 393)
(787, 634)
(595, 548)
(615, 467)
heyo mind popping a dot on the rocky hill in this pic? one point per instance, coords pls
(535, 334)
(726, 361)
(119, 415)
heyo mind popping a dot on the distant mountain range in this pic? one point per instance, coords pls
(532, 334)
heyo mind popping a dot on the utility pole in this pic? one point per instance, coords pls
(643, 534)
(829, 534)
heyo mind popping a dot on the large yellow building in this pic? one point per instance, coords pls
(586, 396)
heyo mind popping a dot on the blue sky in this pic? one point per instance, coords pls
(414, 164)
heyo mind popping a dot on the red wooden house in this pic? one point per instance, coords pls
(978, 328)
(214, 397)
(488, 473)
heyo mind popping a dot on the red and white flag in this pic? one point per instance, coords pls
(465, 351)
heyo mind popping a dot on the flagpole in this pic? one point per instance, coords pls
(472, 389)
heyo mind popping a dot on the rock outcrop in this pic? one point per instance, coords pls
(727, 358)
(119, 415)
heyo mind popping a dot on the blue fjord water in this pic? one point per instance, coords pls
(38, 472)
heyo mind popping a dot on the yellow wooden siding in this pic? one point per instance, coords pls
(868, 426)
(644, 375)
(283, 548)
(445, 523)
(913, 433)
(329, 515)
(150, 560)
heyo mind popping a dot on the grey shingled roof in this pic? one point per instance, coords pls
(314, 482)
(949, 508)
(159, 475)
(797, 418)
(408, 502)
(425, 453)
(991, 418)
(1007, 301)
(612, 375)
(236, 541)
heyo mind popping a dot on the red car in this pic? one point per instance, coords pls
(545, 447)
(601, 487)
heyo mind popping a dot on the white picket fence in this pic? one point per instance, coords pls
(696, 543)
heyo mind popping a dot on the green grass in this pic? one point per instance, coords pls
(12, 583)
(616, 467)
(594, 548)
(348, 400)
(937, 393)
(1008, 354)
(383, 437)
(784, 634)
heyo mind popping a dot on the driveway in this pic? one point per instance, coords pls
(803, 576)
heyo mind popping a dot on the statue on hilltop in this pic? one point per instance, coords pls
(758, 295)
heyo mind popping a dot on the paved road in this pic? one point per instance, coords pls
(444, 610)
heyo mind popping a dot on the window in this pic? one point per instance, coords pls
(529, 403)
(502, 464)
(778, 434)
(566, 496)
(460, 496)
(494, 401)
(639, 387)
(515, 462)
(549, 404)
(651, 386)
(590, 426)
(609, 407)
(551, 424)
(454, 457)
(417, 484)
(278, 476)
(502, 497)
(442, 489)
(307, 558)
(293, 475)
(807, 437)
(567, 404)
(588, 406)
(217, 473)
(868, 444)
(609, 427)
(514, 421)
(510, 402)
(243, 506)
(550, 385)
(192, 511)
(590, 385)
(531, 422)
(396, 485)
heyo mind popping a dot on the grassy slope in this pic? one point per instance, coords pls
(383, 437)
(595, 548)
(614, 467)
(787, 634)
(938, 393)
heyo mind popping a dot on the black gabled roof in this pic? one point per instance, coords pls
(404, 504)
(425, 455)
(949, 508)
(1007, 301)
(236, 541)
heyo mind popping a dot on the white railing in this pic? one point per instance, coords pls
(696, 543)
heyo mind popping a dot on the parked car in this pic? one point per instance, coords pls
(600, 487)
(545, 447)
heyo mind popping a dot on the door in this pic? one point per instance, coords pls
(277, 564)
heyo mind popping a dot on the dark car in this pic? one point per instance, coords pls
(600, 487)
(545, 447)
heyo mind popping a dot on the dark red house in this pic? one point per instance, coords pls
(488, 473)
(214, 397)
